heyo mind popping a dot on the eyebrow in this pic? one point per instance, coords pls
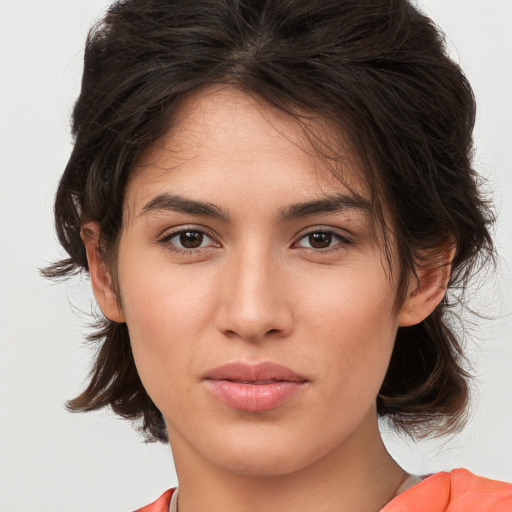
(180, 204)
(329, 204)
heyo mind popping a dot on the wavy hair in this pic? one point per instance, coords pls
(378, 70)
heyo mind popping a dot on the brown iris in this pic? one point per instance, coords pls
(191, 239)
(320, 240)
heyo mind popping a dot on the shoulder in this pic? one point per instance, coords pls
(456, 491)
(160, 505)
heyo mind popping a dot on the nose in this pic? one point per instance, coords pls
(255, 302)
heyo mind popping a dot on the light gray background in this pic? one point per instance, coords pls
(53, 461)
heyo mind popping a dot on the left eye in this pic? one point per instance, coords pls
(188, 239)
(321, 240)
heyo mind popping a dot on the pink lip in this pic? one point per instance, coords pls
(254, 388)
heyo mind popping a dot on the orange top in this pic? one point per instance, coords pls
(160, 505)
(457, 491)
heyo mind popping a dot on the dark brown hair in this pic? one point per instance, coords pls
(376, 69)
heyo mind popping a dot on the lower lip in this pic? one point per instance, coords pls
(254, 397)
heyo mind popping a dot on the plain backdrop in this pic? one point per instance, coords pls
(54, 461)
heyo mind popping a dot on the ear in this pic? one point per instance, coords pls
(101, 279)
(427, 290)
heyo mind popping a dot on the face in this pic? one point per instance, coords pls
(260, 311)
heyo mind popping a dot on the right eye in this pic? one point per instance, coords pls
(187, 241)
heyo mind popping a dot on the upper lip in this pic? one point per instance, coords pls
(254, 373)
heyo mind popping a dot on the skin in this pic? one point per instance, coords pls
(259, 287)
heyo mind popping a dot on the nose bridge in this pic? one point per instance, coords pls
(253, 303)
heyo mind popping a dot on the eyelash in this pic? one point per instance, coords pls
(343, 241)
(166, 241)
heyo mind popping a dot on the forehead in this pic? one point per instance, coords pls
(223, 138)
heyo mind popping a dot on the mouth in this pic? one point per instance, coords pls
(254, 382)
(254, 388)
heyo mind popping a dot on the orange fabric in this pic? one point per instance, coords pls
(457, 491)
(160, 505)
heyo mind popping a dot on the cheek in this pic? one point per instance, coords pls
(159, 298)
(354, 325)
(354, 304)
(166, 317)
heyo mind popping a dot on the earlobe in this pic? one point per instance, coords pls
(426, 290)
(101, 278)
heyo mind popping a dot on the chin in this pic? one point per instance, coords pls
(261, 465)
(268, 454)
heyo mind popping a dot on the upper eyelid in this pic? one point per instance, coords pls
(343, 241)
(343, 233)
(171, 232)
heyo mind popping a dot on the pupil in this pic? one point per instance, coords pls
(320, 240)
(191, 239)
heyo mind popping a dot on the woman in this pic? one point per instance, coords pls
(275, 204)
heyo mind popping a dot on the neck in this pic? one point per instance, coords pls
(358, 476)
